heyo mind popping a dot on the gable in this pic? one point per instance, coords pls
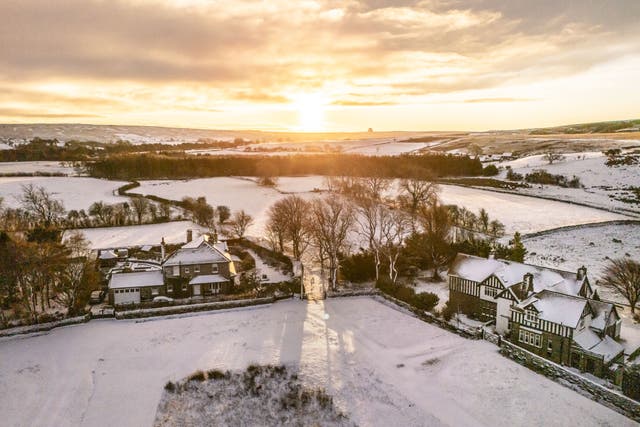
(493, 281)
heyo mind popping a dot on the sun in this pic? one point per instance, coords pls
(311, 110)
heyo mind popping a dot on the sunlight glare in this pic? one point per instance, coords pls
(310, 112)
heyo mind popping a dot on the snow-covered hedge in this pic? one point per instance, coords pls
(40, 327)
(190, 308)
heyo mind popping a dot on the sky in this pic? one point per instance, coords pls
(320, 65)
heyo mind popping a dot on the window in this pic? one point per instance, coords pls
(169, 288)
(490, 292)
(549, 347)
(176, 270)
(531, 317)
(196, 269)
(168, 271)
(184, 286)
(530, 338)
(214, 268)
(215, 288)
(154, 291)
(186, 270)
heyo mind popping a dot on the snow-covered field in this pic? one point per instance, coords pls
(75, 193)
(139, 235)
(236, 193)
(591, 246)
(382, 367)
(599, 181)
(34, 167)
(522, 213)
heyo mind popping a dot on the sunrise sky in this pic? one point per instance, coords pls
(320, 65)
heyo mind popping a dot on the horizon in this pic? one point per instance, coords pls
(320, 66)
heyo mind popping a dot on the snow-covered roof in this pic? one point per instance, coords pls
(601, 312)
(107, 255)
(198, 251)
(511, 273)
(606, 347)
(208, 278)
(136, 279)
(557, 308)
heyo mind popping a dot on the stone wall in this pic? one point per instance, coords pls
(616, 401)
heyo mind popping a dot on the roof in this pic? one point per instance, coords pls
(606, 347)
(107, 255)
(511, 273)
(137, 279)
(208, 278)
(601, 312)
(557, 308)
(198, 251)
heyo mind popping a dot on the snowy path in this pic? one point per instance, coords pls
(382, 366)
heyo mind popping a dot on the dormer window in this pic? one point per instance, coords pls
(531, 317)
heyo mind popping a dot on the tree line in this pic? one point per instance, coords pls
(147, 166)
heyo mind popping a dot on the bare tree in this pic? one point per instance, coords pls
(240, 222)
(375, 186)
(296, 213)
(436, 224)
(140, 207)
(483, 220)
(395, 225)
(276, 226)
(623, 275)
(474, 149)
(368, 217)
(47, 210)
(551, 157)
(416, 192)
(331, 220)
(102, 211)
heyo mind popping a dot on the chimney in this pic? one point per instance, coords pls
(189, 235)
(582, 273)
(162, 250)
(527, 283)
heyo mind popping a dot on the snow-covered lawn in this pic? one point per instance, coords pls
(75, 193)
(33, 167)
(599, 181)
(382, 367)
(591, 246)
(139, 235)
(273, 275)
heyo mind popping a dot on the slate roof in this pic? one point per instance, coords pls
(208, 278)
(606, 347)
(557, 308)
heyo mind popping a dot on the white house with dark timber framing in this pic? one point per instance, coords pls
(554, 313)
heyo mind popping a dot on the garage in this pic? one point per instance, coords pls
(126, 296)
(135, 287)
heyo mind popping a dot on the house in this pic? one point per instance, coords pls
(201, 267)
(135, 287)
(553, 313)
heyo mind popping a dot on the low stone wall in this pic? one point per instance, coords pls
(353, 293)
(42, 327)
(616, 401)
(193, 308)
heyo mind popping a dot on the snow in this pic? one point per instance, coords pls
(203, 254)
(34, 167)
(301, 184)
(522, 213)
(558, 308)
(74, 192)
(208, 278)
(382, 367)
(136, 279)
(138, 235)
(600, 181)
(236, 193)
(262, 268)
(591, 246)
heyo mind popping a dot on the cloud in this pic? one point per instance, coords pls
(488, 100)
(199, 55)
(18, 113)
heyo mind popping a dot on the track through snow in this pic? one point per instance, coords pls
(382, 366)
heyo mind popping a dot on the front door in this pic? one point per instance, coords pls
(196, 290)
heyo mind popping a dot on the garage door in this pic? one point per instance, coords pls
(126, 296)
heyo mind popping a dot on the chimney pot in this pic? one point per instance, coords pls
(189, 235)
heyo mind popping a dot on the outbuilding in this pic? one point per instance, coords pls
(135, 287)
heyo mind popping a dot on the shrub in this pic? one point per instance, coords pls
(197, 376)
(514, 176)
(216, 374)
(170, 387)
(425, 301)
(447, 311)
(490, 170)
(359, 267)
